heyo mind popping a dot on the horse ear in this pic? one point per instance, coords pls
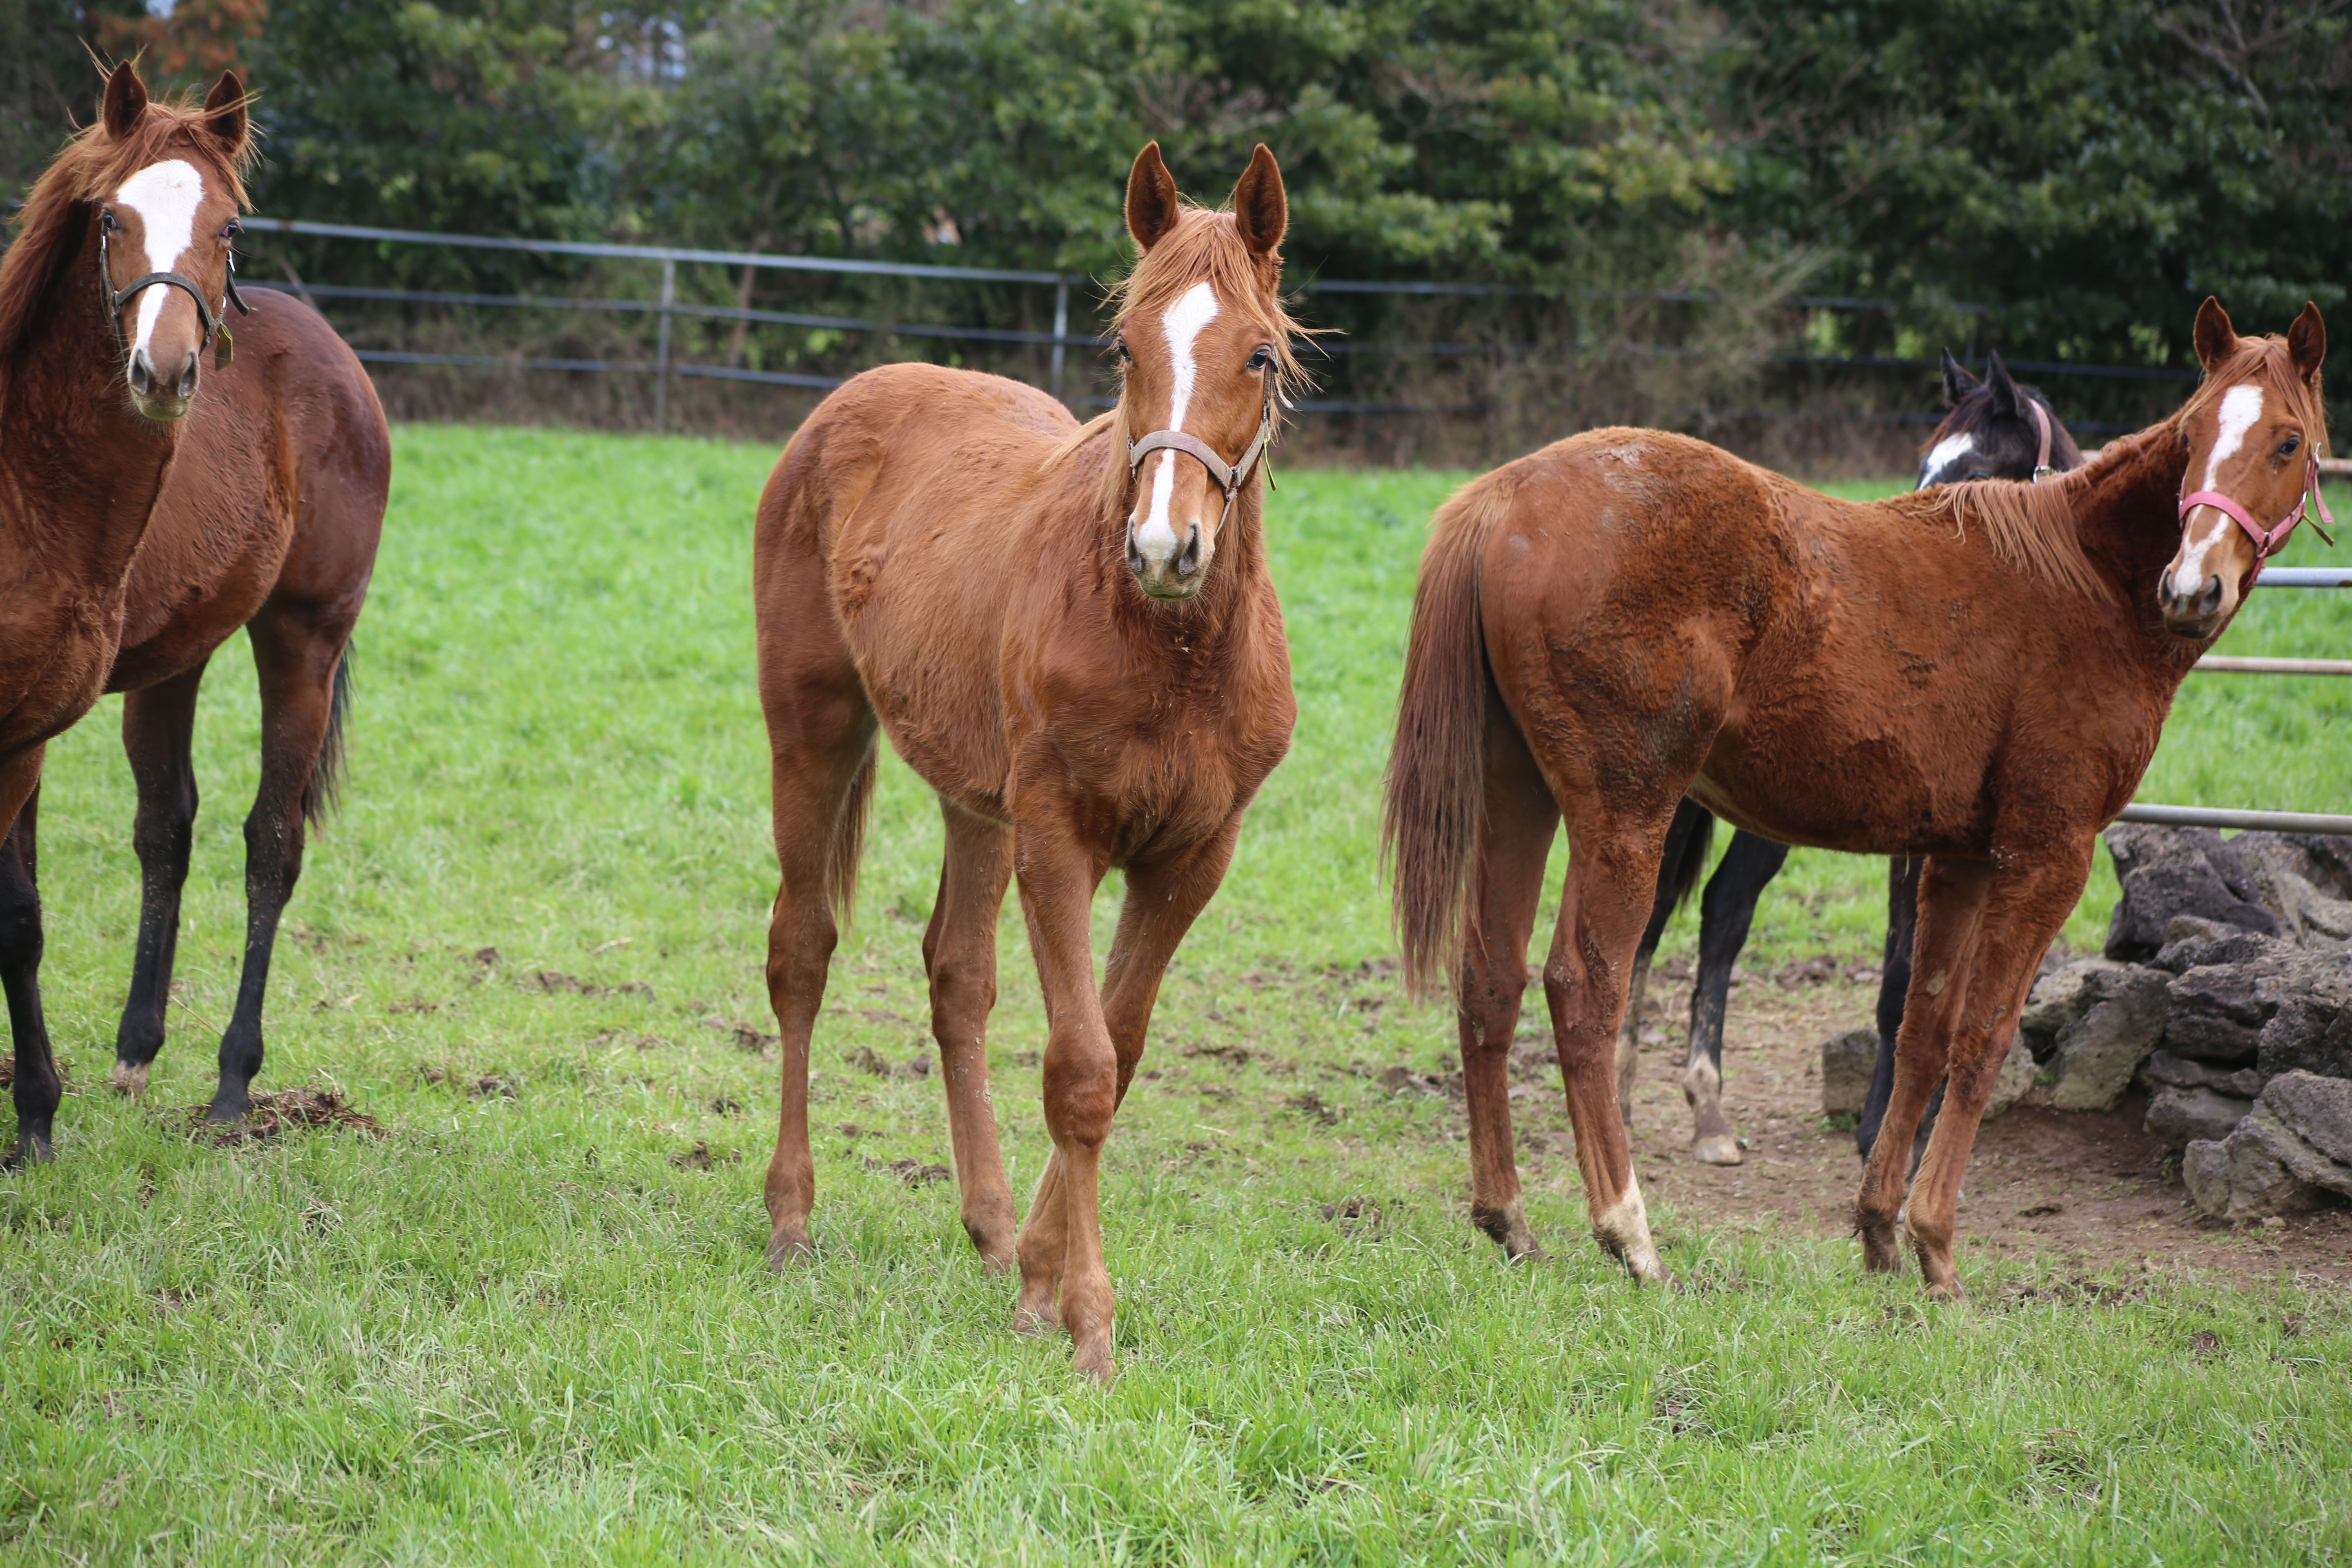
(2006, 399)
(1958, 382)
(1261, 211)
(224, 109)
(126, 100)
(2306, 343)
(2216, 339)
(1150, 198)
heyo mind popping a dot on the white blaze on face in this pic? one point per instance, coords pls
(1156, 540)
(165, 196)
(2241, 408)
(1947, 452)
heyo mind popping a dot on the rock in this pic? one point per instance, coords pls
(2216, 1011)
(2165, 1068)
(2179, 1117)
(2099, 1051)
(2288, 1155)
(2311, 1032)
(1847, 1062)
(2303, 886)
(2017, 1076)
(2169, 871)
(2058, 998)
(2191, 948)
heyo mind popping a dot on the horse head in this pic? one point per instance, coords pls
(1204, 345)
(166, 218)
(2252, 435)
(1997, 429)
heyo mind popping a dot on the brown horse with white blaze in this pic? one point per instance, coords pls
(150, 505)
(1069, 633)
(1977, 674)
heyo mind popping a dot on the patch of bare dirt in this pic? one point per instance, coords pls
(2090, 1186)
(275, 1113)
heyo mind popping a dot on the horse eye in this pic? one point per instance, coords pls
(1124, 357)
(2287, 451)
(231, 229)
(1260, 360)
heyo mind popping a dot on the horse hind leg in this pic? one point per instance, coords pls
(295, 654)
(1685, 859)
(1517, 824)
(1727, 912)
(1613, 865)
(37, 1089)
(959, 956)
(158, 725)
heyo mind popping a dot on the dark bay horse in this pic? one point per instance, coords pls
(1996, 429)
(162, 515)
(1068, 633)
(1977, 673)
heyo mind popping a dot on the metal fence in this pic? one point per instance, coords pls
(665, 307)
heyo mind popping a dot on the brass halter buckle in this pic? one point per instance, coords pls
(215, 322)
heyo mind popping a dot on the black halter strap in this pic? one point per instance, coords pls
(215, 322)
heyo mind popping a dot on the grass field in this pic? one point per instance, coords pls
(529, 1322)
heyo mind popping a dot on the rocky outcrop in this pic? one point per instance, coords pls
(2179, 1117)
(2118, 1029)
(2292, 1153)
(2170, 871)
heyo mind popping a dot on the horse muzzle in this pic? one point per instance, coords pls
(158, 396)
(2196, 610)
(1168, 567)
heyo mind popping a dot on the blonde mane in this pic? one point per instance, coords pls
(1202, 246)
(50, 227)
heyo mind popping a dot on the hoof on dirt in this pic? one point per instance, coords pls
(1722, 1149)
(222, 1112)
(130, 1078)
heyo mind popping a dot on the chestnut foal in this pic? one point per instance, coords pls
(1110, 690)
(144, 519)
(1977, 673)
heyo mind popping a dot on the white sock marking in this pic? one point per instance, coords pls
(1626, 1223)
(1947, 451)
(2240, 407)
(165, 196)
(1156, 540)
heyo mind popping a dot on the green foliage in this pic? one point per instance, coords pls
(529, 1323)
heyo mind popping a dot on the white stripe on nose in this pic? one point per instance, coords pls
(2242, 407)
(1182, 322)
(165, 196)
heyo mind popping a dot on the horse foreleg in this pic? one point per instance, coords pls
(1061, 1247)
(1726, 912)
(295, 657)
(959, 956)
(1603, 907)
(37, 1089)
(1893, 981)
(158, 725)
(1952, 895)
(1516, 827)
(2026, 909)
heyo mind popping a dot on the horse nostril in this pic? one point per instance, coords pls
(1190, 560)
(2210, 601)
(141, 381)
(188, 378)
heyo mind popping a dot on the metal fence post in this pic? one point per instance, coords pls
(661, 350)
(1061, 331)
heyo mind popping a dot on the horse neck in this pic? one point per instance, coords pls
(2128, 521)
(80, 468)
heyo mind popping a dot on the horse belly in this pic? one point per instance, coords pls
(1880, 791)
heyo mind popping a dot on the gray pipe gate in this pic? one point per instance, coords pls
(662, 368)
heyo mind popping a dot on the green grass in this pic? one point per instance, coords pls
(533, 1327)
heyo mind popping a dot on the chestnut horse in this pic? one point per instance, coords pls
(1977, 673)
(146, 519)
(1996, 429)
(1111, 692)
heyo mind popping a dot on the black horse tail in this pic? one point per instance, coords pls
(326, 788)
(1678, 881)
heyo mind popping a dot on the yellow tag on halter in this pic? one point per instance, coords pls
(224, 348)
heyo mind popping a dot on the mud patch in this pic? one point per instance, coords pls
(914, 1172)
(275, 1113)
(554, 982)
(703, 1157)
(747, 1039)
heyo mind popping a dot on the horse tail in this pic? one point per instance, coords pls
(326, 788)
(1688, 870)
(1437, 784)
(849, 836)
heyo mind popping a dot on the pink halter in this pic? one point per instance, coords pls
(2266, 544)
(2042, 469)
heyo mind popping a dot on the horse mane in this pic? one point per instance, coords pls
(1203, 247)
(2030, 526)
(50, 229)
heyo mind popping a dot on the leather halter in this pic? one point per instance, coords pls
(2266, 544)
(1229, 476)
(2042, 469)
(215, 322)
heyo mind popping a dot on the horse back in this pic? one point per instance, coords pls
(278, 490)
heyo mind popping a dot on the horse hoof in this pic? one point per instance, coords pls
(222, 1112)
(1945, 1290)
(1030, 1322)
(31, 1150)
(130, 1078)
(1094, 1363)
(1879, 1255)
(1722, 1149)
(789, 1249)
